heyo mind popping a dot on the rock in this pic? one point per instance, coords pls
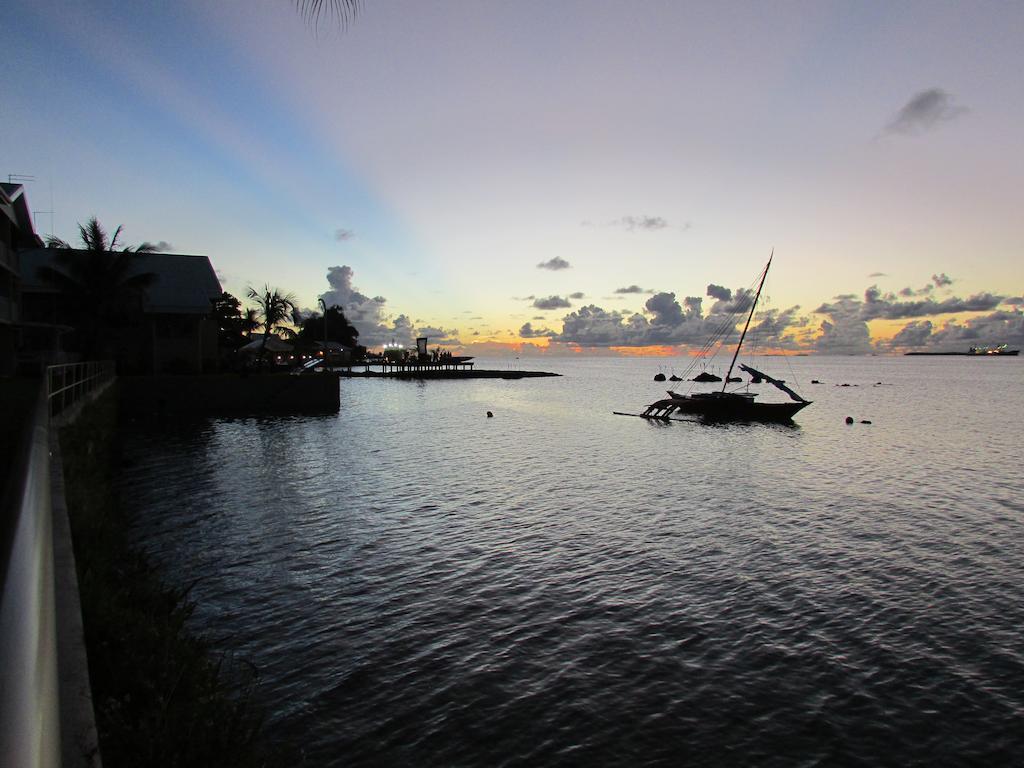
(705, 376)
(673, 377)
(659, 377)
(865, 421)
(815, 381)
(849, 419)
(490, 415)
(735, 378)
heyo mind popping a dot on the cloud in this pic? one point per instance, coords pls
(529, 332)
(878, 274)
(633, 223)
(341, 235)
(942, 280)
(578, 295)
(555, 263)
(368, 315)
(719, 292)
(632, 289)
(552, 302)
(1000, 327)
(1014, 300)
(925, 111)
(886, 306)
(439, 336)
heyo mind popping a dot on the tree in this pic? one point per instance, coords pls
(339, 329)
(104, 286)
(227, 313)
(274, 310)
(94, 239)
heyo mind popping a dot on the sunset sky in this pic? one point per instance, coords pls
(573, 174)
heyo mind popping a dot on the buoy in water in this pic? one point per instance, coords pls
(849, 419)
(490, 415)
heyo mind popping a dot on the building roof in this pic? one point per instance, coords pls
(274, 344)
(14, 205)
(184, 284)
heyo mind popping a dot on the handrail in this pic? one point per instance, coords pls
(67, 384)
(29, 704)
(32, 678)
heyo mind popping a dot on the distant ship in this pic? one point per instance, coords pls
(1000, 351)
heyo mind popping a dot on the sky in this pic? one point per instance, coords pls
(550, 178)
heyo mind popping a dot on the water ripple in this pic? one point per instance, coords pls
(421, 585)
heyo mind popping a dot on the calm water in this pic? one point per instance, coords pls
(421, 585)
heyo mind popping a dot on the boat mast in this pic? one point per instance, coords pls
(749, 318)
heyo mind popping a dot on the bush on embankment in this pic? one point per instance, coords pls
(161, 696)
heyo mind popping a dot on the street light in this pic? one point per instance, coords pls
(324, 305)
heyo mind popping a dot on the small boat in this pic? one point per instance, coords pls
(1000, 350)
(733, 406)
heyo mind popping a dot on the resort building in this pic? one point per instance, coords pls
(16, 232)
(170, 331)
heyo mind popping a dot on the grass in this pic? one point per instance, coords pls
(162, 697)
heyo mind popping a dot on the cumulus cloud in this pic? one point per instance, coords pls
(529, 332)
(942, 280)
(341, 235)
(631, 289)
(555, 263)
(719, 292)
(552, 302)
(577, 295)
(1014, 300)
(665, 321)
(1000, 327)
(368, 315)
(879, 306)
(925, 111)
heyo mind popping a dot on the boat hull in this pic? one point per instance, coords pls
(735, 410)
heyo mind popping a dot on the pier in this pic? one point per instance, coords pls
(416, 369)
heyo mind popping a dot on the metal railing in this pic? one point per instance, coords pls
(67, 384)
(29, 703)
(31, 585)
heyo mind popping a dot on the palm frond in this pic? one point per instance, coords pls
(345, 11)
(113, 240)
(52, 241)
(94, 237)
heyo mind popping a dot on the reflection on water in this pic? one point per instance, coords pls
(420, 584)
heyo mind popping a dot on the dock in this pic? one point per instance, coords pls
(448, 369)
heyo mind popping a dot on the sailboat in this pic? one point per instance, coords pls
(733, 406)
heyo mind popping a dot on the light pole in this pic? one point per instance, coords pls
(324, 305)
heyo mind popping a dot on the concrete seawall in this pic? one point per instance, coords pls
(230, 394)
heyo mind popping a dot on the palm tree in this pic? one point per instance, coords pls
(94, 238)
(103, 285)
(274, 309)
(250, 322)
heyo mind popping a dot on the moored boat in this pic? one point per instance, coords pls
(736, 405)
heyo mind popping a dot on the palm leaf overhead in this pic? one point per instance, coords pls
(343, 10)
